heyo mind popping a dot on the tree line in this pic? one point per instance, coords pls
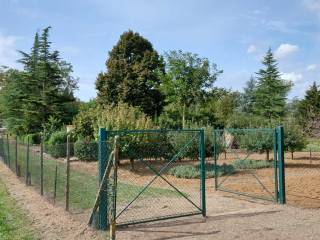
(173, 90)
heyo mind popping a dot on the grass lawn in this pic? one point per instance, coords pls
(83, 186)
(14, 224)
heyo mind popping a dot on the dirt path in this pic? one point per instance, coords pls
(230, 218)
(50, 221)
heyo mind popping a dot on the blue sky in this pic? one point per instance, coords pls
(234, 34)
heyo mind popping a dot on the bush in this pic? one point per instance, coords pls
(251, 164)
(34, 138)
(86, 151)
(193, 171)
(57, 145)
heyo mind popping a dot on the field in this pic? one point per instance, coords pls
(14, 222)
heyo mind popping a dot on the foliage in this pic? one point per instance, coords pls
(132, 75)
(271, 91)
(122, 117)
(255, 141)
(187, 79)
(43, 89)
(193, 171)
(86, 151)
(248, 97)
(309, 109)
(251, 164)
(57, 144)
(294, 138)
(85, 122)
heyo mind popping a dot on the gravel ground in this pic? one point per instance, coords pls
(227, 218)
(230, 218)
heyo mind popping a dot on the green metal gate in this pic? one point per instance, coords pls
(146, 189)
(250, 162)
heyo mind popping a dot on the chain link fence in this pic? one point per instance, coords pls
(55, 174)
(151, 183)
(246, 161)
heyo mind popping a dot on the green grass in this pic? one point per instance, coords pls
(193, 171)
(83, 186)
(14, 224)
(251, 164)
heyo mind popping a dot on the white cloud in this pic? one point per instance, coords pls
(312, 5)
(285, 49)
(252, 49)
(7, 50)
(311, 67)
(292, 76)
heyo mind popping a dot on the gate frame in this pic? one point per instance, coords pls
(278, 164)
(102, 163)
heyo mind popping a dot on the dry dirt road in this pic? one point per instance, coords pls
(228, 218)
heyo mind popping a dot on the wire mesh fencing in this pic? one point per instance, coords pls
(54, 171)
(246, 161)
(148, 185)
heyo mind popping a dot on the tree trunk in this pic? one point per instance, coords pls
(184, 116)
(292, 155)
(132, 164)
(268, 158)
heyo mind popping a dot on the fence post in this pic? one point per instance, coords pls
(203, 173)
(8, 149)
(275, 164)
(27, 165)
(103, 153)
(282, 189)
(68, 174)
(215, 160)
(16, 155)
(55, 183)
(41, 165)
(115, 171)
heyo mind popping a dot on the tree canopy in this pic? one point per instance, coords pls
(132, 76)
(43, 89)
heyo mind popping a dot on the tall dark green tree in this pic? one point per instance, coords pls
(309, 109)
(132, 75)
(42, 90)
(271, 91)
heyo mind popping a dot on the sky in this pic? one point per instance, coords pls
(233, 34)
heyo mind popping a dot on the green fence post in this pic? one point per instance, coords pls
(282, 189)
(275, 165)
(41, 165)
(8, 149)
(27, 165)
(16, 155)
(68, 174)
(203, 173)
(103, 153)
(215, 160)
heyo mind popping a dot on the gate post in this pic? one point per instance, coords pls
(203, 173)
(103, 205)
(282, 188)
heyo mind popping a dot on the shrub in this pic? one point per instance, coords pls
(251, 164)
(57, 145)
(86, 151)
(34, 138)
(193, 171)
